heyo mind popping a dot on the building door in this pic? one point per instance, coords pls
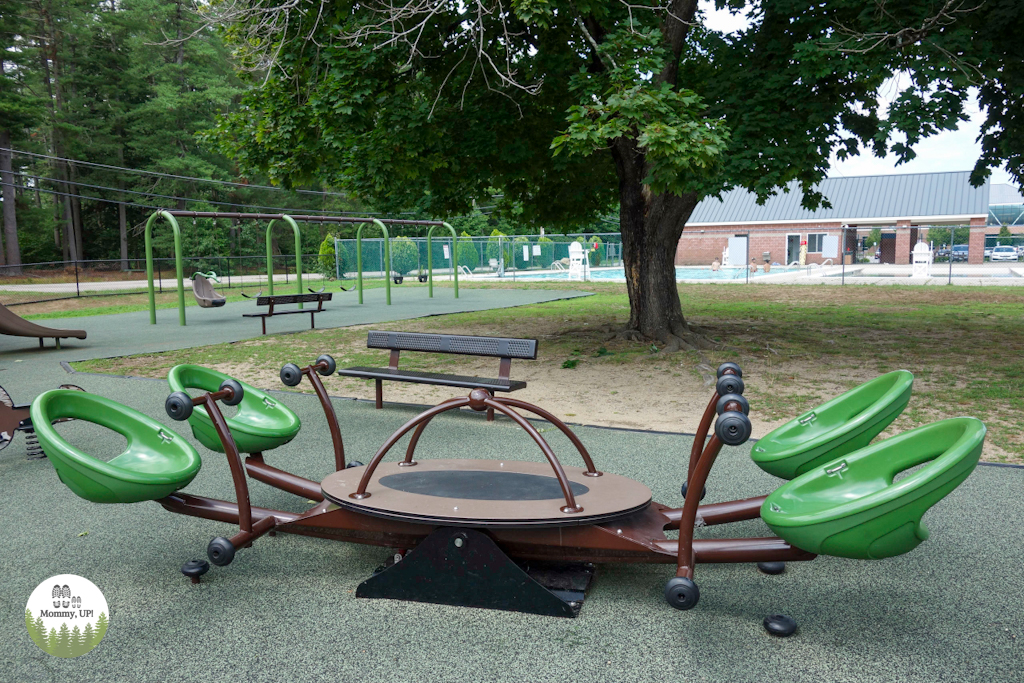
(792, 248)
(888, 248)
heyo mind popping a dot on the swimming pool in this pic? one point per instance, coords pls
(682, 273)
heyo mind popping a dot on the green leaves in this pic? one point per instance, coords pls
(670, 128)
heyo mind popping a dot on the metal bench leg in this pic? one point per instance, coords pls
(263, 322)
(490, 411)
(311, 325)
(57, 339)
(380, 394)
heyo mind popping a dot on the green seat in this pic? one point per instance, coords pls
(851, 507)
(260, 424)
(844, 424)
(156, 463)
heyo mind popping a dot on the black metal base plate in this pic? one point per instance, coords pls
(466, 568)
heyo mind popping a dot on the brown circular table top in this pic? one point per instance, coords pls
(482, 493)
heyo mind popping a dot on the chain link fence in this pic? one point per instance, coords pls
(503, 255)
(40, 282)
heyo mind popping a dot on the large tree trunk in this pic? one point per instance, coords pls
(651, 226)
(10, 214)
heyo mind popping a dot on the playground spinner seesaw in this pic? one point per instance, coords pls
(526, 536)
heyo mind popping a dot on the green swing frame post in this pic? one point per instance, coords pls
(177, 266)
(298, 254)
(387, 258)
(430, 259)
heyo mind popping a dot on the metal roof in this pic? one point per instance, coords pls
(859, 197)
(1004, 193)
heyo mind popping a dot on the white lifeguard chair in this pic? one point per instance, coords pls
(579, 264)
(725, 255)
(921, 260)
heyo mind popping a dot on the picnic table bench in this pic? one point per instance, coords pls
(496, 347)
(282, 299)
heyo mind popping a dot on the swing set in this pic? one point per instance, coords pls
(171, 216)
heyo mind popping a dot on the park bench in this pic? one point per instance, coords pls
(495, 347)
(283, 299)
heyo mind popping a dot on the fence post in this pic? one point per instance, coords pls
(78, 292)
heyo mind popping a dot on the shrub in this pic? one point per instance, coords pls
(517, 252)
(493, 247)
(547, 253)
(467, 253)
(325, 261)
(405, 257)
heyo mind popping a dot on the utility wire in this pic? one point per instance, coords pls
(177, 199)
(169, 175)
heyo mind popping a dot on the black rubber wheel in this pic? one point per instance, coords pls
(744, 405)
(195, 568)
(291, 376)
(354, 463)
(729, 384)
(780, 625)
(732, 428)
(236, 388)
(771, 567)
(686, 485)
(178, 406)
(331, 365)
(729, 366)
(220, 551)
(681, 593)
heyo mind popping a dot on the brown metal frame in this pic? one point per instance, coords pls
(636, 537)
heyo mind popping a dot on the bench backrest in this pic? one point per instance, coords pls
(499, 347)
(278, 299)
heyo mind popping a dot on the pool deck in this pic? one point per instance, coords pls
(1007, 274)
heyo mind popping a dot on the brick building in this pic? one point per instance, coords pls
(902, 206)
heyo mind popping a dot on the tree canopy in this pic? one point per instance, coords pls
(573, 108)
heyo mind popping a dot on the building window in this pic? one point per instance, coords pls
(814, 241)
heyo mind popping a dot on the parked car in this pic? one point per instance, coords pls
(1004, 254)
(942, 253)
(959, 252)
(988, 252)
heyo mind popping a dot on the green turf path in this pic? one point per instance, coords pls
(125, 334)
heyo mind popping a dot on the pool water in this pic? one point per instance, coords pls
(682, 273)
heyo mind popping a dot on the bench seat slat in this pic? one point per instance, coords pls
(497, 347)
(399, 375)
(279, 299)
(277, 313)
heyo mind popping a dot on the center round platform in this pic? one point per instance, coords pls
(485, 493)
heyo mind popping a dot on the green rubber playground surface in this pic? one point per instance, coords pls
(285, 609)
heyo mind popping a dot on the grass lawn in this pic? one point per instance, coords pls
(798, 346)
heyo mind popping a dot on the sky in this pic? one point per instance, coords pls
(948, 151)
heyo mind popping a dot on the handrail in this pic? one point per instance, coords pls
(387, 258)
(522, 405)
(298, 254)
(177, 266)
(430, 260)
(478, 403)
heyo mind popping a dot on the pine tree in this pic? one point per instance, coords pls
(63, 642)
(33, 632)
(51, 642)
(76, 644)
(101, 628)
(88, 637)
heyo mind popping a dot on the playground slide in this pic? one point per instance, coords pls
(17, 326)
